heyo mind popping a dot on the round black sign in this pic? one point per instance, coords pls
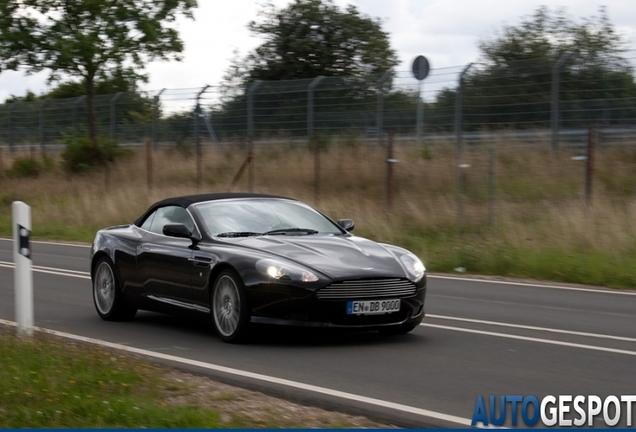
(420, 68)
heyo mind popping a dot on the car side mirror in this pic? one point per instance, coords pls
(177, 230)
(346, 224)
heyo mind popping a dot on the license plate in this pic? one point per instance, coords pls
(372, 307)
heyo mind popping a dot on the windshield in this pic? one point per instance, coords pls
(233, 218)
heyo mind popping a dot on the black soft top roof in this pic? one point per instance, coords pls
(186, 201)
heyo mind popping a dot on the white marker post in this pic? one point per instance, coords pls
(23, 277)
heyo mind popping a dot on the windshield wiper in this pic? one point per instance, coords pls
(284, 231)
(239, 234)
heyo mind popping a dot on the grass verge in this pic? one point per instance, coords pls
(524, 211)
(46, 382)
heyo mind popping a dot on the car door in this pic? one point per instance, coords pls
(164, 262)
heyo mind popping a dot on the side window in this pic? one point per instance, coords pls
(148, 221)
(171, 215)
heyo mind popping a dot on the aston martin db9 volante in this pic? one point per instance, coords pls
(251, 258)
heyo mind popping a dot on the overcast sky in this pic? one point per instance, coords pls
(447, 32)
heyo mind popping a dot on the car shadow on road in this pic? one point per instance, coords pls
(301, 337)
(274, 335)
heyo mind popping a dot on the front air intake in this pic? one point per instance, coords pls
(367, 288)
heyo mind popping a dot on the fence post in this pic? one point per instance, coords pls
(148, 146)
(77, 101)
(554, 110)
(107, 168)
(197, 144)
(419, 121)
(388, 186)
(1, 164)
(316, 149)
(23, 280)
(380, 114)
(155, 117)
(250, 167)
(310, 136)
(8, 123)
(113, 117)
(458, 150)
(491, 187)
(197, 137)
(250, 133)
(310, 105)
(41, 125)
(589, 164)
(11, 127)
(250, 108)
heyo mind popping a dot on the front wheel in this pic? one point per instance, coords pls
(229, 307)
(107, 296)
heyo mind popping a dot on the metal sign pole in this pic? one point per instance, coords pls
(23, 276)
(418, 123)
(421, 67)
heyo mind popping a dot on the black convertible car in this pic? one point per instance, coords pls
(251, 258)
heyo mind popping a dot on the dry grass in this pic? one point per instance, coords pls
(521, 203)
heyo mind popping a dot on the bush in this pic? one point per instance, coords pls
(81, 155)
(48, 163)
(23, 167)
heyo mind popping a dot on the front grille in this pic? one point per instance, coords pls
(367, 288)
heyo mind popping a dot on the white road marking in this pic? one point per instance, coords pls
(53, 243)
(601, 291)
(532, 339)
(527, 327)
(337, 393)
(260, 377)
(51, 270)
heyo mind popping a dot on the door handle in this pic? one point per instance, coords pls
(199, 261)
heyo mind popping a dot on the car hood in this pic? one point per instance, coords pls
(340, 257)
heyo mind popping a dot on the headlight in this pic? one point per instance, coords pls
(413, 266)
(285, 271)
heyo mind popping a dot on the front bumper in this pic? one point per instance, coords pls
(288, 305)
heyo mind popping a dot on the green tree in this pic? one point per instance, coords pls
(306, 39)
(89, 39)
(309, 38)
(117, 81)
(550, 34)
(29, 96)
(511, 85)
(111, 82)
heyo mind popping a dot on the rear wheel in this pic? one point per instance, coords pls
(107, 296)
(229, 307)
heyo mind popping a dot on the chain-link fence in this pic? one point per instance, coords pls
(527, 102)
(466, 147)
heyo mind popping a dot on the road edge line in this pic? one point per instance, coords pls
(256, 376)
(532, 339)
(526, 284)
(532, 328)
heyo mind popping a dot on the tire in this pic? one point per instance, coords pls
(229, 309)
(397, 330)
(107, 295)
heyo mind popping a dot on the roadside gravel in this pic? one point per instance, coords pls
(243, 408)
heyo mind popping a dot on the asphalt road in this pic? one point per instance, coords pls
(479, 338)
